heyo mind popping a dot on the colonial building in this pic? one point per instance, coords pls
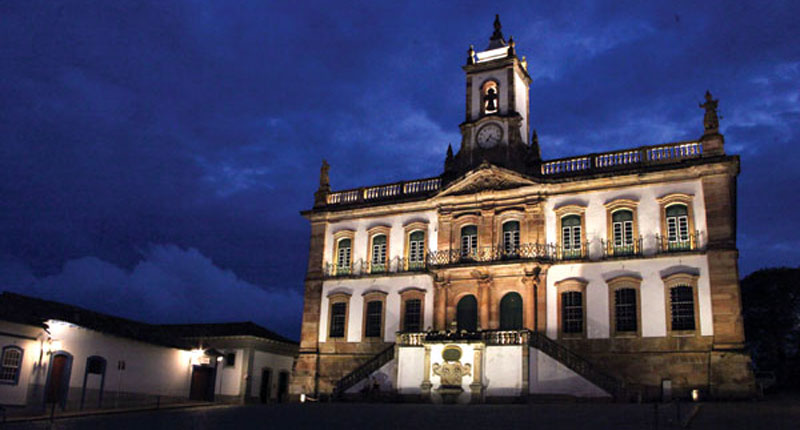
(507, 276)
(59, 356)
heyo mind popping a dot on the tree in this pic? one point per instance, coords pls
(771, 308)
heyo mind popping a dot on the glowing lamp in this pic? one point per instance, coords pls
(695, 395)
(302, 398)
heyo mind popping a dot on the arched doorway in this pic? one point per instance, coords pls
(58, 377)
(511, 312)
(467, 313)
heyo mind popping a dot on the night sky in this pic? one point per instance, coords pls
(155, 156)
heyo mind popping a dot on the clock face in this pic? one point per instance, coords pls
(489, 135)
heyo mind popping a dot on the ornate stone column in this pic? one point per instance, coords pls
(441, 286)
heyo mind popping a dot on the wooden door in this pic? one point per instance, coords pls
(58, 383)
(283, 386)
(266, 385)
(202, 384)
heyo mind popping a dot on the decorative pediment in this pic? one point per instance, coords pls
(486, 177)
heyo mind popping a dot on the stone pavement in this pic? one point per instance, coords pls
(772, 415)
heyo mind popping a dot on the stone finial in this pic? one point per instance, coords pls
(524, 63)
(324, 178)
(534, 150)
(710, 119)
(511, 46)
(471, 55)
(497, 40)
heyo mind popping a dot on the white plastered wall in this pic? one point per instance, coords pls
(16, 394)
(276, 363)
(548, 376)
(410, 370)
(648, 212)
(149, 369)
(397, 238)
(521, 96)
(391, 285)
(502, 374)
(229, 378)
(653, 295)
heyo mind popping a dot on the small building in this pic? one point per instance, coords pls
(255, 363)
(54, 354)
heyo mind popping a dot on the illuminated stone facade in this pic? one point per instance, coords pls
(611, 274)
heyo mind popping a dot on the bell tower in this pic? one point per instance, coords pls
(497, 126)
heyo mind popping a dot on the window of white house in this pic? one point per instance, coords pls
(378, 253)
(622, 225)
(374, 319)
(625, 310)
(416, 250)
(571, 236)
(469, 241)
(572, 312)
(11, 364)
(338, 319)
(677, 218)
(682, 308)
(511, 238)
(343, 256)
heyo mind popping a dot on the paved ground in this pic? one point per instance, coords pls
(772, 415)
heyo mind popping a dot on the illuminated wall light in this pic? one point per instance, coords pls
(695, 395)
(302, 398)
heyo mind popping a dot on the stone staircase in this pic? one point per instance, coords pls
(578, 364)
(362, 372)
(581, 366)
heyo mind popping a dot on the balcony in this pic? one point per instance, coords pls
(679, 243)
(366, 268)
(616, 250)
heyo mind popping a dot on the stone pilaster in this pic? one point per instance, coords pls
(305, 378)
(426, 375)
(476, 387)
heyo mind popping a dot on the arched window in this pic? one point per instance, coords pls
(572, 312)
(412, 317)
(622, 225)
(467, 313)
(378, 253)
(677, 217)
(491, 98)
(511, 312)
(343, 248)
(571, 236)
(11, 364)
(469, 241)
(681, 304)
(416, 250)
(374, 319)
(511, 238)
(625, 310)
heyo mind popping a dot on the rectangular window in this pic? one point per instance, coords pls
(572, 312)
(338, 315)
(412, 320)
(682, 307)
(625, 310)
(230, 359)
(374, 319)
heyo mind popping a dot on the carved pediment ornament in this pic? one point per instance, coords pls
(487, 179)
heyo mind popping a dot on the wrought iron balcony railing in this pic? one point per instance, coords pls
(361, 267)
(679, 243)
(612, 249)
(526, 251)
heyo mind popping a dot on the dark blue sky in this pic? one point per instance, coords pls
(155, 155)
